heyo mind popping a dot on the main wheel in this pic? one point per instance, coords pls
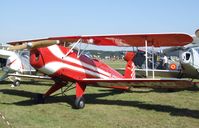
(16, 83)
(79, 103)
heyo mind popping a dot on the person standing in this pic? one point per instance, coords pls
(165, 62)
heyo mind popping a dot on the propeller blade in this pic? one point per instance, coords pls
(36, 44)
(40, 44)
(17, 47)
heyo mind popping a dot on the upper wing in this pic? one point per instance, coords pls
(157, 40)
(141, 82)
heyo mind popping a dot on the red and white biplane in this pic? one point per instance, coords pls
(53, 57)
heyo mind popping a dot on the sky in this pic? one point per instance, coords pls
(32, 19)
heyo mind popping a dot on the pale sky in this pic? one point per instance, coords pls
(31, 19)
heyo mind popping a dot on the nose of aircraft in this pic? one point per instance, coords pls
(36, 59)
(186, 57)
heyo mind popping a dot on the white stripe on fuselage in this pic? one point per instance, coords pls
(55, 50)
(59, 65)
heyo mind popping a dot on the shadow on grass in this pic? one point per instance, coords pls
(94, 99)
(192, 89)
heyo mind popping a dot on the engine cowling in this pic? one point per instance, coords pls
(186, 57)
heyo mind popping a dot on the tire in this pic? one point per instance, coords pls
(79, 103)
(16, 83)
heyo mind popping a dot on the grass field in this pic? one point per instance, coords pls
(105, 108)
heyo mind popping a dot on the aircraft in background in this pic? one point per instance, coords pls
(67, 64)
(14, 64)
(188, 57)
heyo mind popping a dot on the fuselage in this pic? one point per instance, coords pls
(58, 62)
(190, 62)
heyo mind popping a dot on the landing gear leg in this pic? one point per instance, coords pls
(41, 97)
(79, 101)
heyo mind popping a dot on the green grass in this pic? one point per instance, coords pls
(105, 108)
(116, 63)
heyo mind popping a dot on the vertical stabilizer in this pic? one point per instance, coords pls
(130, 66)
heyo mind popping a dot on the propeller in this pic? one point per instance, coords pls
(197, 33)
(33, 45)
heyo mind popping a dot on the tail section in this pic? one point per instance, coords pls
(130, 66)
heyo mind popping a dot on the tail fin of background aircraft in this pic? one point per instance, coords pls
(130, 66)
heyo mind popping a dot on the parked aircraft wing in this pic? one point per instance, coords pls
(165, 83)
(157, 40)
(29, 76)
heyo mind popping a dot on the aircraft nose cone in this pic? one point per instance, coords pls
(36, 59)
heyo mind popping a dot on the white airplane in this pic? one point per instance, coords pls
(13, 64)
(188, 57)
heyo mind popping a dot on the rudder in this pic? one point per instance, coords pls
(130, 66)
